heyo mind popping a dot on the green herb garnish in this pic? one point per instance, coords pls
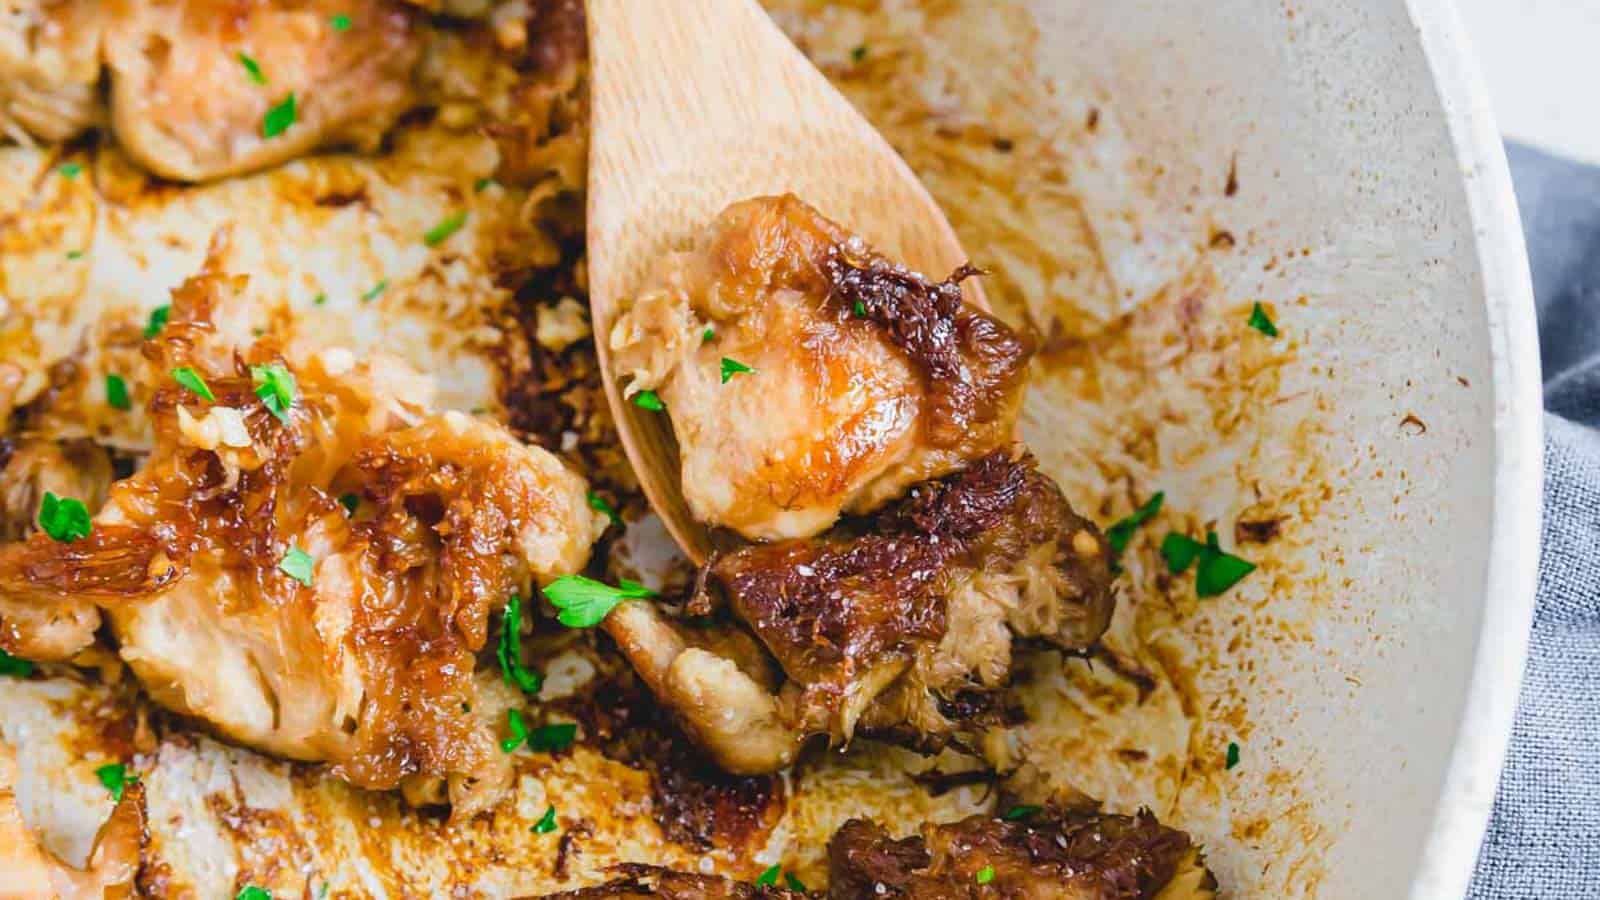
(278, 118)
(648, 400)
(70, 169)
(1119, 534)
(860, 309)
(441, 232)
(770, 876)
(483, 184)
(189, 378)
(552, 738)
(518, 726)
(276, 387)
(319, 300)
(253, 69)
(63, 518)
(1261, 322)
(1217, 570)
(349, 502)
(117, 392)
(1180, 550)
(158, 321)
(985, 875)
(859, 53)
(1018, 813)
(116, 779)
(11, 665)
(599, 504)
(340, 22)
(297, 564)
(794, 883)
(74, 254)
(251, 892)
(1232, 758)
(584, 602)
(509, 650)
(547, 822)
(375, 290)
(732, 367)
(707, 335)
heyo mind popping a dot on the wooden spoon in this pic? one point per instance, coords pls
(697, 104)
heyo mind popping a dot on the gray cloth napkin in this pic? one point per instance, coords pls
(1544, 837)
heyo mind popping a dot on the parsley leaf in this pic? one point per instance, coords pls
(985, 875)
(340, 22)
(298, 564)
(584, 602)
(63, 518)
(860, 309)
(278, 118)
(770, 876)
(276, 388)
(1018, 813)
(794, 883)
(518, 727)
(732, 367)
(11, 665)
(158, 320)
(708, 334)
(509, 650)
(483, 184)
(552, 738)
(349, 502)
(599, 504)
(441, 232)
(116, 779)
(117, 392)
(1119, 534)
(649, 400)
(547, 822)
(377, 289)
(189, 378)
(1261, 322)
(70, 169)
(74, 254)
(1217, 570)
(253, 69)
(1232, 759)
(1180, 550)
(859, 53)
(251, 892)
(319, 300)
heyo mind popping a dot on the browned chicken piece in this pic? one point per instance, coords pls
(903, 628)
(78, 469)
(50, 68)
(30, 871)
(1053, 854)
(640, 882)
(242, 591)
(867, 378)
(184, 105)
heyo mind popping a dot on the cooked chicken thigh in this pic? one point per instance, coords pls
(641, 882)
(31, 872)
(905, 630)
(316, 585)
(806, 376)
(50, 68)
(185, 106)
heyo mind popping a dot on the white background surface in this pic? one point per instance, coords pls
(1542, 61)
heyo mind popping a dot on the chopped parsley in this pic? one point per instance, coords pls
(253, 69)
(349, 502)
(158, 320)
(509, 650)
(375, 290)
(117, 392)
(599, 504)
(441, 232)
(552, 738)
(547, 822)
(770, 876)
(63, 518)
(584, 602)
(11, 665)
(859, 53)
(1232, 759)
(860, 309)
(483, 184)
(985, 875)
(189, 378)
(1121, 533)
(795, 884)
(276, 387)
(297, 564)
(116, 779)
(1020, 812)
(251, 892)
(70, 169)
(649, 400)
(278, 118)
(1216, 570)
(518, 726)
(340, 22)
(319, 300)
(732, 367)
(74, 254)
(1260, 321)
(707, 335)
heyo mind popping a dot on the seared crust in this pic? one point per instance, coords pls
(639, 882)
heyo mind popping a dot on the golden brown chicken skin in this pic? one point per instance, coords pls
(806, 376)
(904, 627)
(318, 585)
